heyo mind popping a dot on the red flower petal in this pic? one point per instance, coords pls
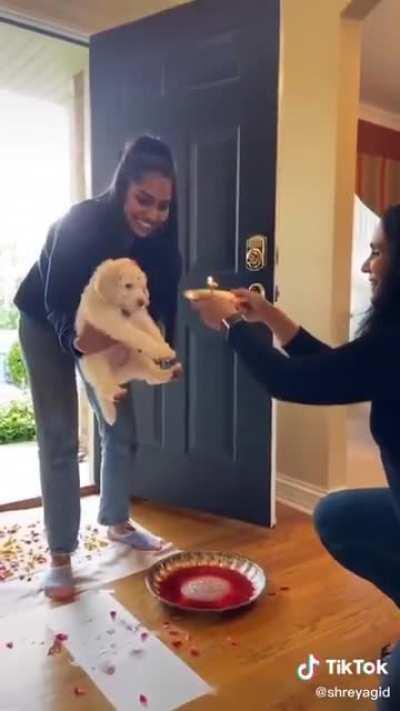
(78, 691)
(10, 645)
(194, 652)
(176, 643)
(143, 700)
(144, 636)
(232, 642)
(113, 614)
(62, 637)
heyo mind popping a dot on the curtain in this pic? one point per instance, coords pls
(378, 166)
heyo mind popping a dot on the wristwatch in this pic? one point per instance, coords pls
(229, 322)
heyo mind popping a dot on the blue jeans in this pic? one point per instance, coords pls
(361, 529)
(391, 680)
(55, 401)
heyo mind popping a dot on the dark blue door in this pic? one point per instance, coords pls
(204, 77)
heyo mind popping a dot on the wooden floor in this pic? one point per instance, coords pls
(324, 611)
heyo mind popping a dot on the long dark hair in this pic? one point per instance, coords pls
(385, 308)
(147, 154)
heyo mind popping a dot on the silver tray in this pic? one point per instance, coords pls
(176, 561)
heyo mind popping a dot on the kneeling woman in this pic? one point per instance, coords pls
(360, 528)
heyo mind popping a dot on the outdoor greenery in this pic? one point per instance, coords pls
(17, 423)
(8, 317)
(16, 366)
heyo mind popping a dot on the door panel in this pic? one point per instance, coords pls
(203, 77)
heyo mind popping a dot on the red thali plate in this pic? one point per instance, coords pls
(206, 581)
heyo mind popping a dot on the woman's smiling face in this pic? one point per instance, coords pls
(147, 204)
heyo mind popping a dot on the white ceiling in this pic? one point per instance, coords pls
(380, 62)
(37, 65)
(28, 59)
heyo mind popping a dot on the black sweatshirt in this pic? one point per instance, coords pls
(366, 369)
(92, 231)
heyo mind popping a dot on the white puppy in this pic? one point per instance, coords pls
(115, 302)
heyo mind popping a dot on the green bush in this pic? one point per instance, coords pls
(8, 317)
(17, 423)
(16, 366)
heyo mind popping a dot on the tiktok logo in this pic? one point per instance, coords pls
(306, 671)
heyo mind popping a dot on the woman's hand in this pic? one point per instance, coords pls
(213, 309)
(177, 371)
(93, 341)
(252, 305)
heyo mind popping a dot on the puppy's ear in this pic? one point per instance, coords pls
(105, 279)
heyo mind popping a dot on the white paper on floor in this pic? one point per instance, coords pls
(113, 562)
(125, 663)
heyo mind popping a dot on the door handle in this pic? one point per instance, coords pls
(257, 288)
(256, 253)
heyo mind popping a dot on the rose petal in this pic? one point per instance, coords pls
(109, 669)
(232, 642)
(144, 636)
(143, 700)
(194, 652)
(136, 652)
(176, 643)
(78, 691)
(61, 636)
(10, 645)
(113, 614)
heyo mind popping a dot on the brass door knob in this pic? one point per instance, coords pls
(258, 289)
(256, 253)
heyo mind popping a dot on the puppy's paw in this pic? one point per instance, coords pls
(164, 352)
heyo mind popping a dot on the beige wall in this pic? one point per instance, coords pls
(316, 177)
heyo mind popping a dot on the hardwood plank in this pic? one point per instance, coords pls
(326, 611)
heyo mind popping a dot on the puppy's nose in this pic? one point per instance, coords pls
(140, 302)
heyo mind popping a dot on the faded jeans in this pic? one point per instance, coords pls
(55, 402)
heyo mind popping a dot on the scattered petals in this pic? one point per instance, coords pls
(232, 642)
(78, 691)
(144, 636)
(136, 652)
(62, 637)
(108, 668)
(176, 643)
(143, 700)
(10, 645)
(113, 614)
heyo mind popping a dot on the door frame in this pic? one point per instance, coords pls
(40, 27)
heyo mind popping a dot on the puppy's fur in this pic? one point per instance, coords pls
(115, 302)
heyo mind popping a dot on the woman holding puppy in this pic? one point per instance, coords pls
(135, 218)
